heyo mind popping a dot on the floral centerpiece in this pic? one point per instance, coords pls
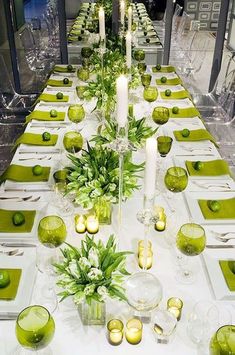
(104, 87)
(93, 178)
(92, 273)
(138, 132)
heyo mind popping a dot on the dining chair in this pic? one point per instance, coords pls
(10, 100)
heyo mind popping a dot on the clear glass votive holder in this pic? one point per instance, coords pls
(115, 331)
(175, 305)
(133, 332)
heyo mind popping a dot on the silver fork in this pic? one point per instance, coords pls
(9, 252)
(209, 149)
(225, 186)
(41, 158)
(222, 236)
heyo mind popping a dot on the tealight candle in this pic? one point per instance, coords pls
(80, 223)
(160, 225)
(115, 331)
(175, 305)
(143, 262)
(141, 246)
(134, 331)
(92, 224)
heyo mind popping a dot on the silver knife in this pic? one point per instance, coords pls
(55, 151)
(210, 246)
(18, 245)
(29, 190)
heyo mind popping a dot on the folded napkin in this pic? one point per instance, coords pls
(58, 83)
(7, 226)
(175, 95)
(52, 98)
(44, 116)
(35, 139)
(194, 136)
(172, 81)
(64, 69)
(186, 112)
(226, 211)
(209, 168)
(21, 173)
(9, 292)
(166, 69)
(229, 276)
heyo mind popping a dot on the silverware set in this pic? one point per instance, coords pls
(191, 150)
(223, 237)
(21, 199)
(223, 186)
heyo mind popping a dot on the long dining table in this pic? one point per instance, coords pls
(71, 337)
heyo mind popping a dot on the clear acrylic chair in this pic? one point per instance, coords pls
(10, 100)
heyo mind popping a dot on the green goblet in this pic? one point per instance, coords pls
(164, 144)
(141, 67)
(86, 52)
(190, 241)
(160, 115)
(176, 179)
(223, 341)
(76, 113)
(146, 79)
(52, 231)
(150, 93)
(35, 328)
(80, 91)
(139, 55)
(73, 142)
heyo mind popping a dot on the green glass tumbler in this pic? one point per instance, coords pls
(176, 179)
(35, 328)
(52, 231)
(73, 141)
(80, 91)
(146, 79)
(164, 144)
(150, 93)
(223, 342)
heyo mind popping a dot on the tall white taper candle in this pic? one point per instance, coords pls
(129, 15)
(122, 100)
(150, 168)
(102, 23)
(128, 49)
(122, 12)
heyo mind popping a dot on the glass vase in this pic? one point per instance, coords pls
(103, 210)
(94, 313)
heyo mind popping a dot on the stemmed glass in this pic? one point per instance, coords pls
(52, 233)
(34, 329)
(164, 144)
(76, 114)
(190, 241)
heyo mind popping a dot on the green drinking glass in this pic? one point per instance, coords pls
(150, 93)
(76, 113)
(190, 241)
(164, 144)
(176, 179)
(160, 115)
(141, 67)
(86, 52)
(146, 79)
(73, 141)
(223, 341)
(80, 91)
(52, 231)
(139, 55)
(35, 328)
